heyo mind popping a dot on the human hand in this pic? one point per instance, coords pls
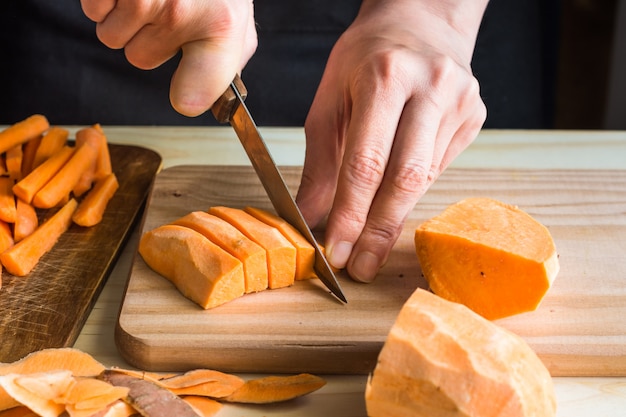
(396, 104)
(217, 39)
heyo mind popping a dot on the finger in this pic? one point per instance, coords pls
(151, 46)
(97, 10)
(464, 136)
(325, 132)
(123, 22)
(406, 179)
(203, 74)
(374, 120)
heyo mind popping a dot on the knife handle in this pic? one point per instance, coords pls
(225, 106)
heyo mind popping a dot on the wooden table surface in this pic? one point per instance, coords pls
(343, 395)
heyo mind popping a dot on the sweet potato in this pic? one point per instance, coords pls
(228, 237)
(206, 407)
(23, 131)
(442, 359)
(490, 256)
(13, 160)
(33, 182)
(281, 254)
(8, 211)
(29, 150)
(21, 258)
(63, 182)
(201, 270)
(51, 142)
(26, 220)
(305, 253)
(92, 207)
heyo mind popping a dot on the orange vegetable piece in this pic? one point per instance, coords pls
(33, 182)
(201, 270)
(51, 142)
(273, 389)
(228, 237)
(18, 411)
(305, 252)
(13, 160)
(103, 163)
(29, 150)
(490, 256)
(281, 254)
(62, 183)
(23, 131)
(6, 236)
(442, 359)
(92, 207)
(26, 220)
(21, 258)
(8, 211)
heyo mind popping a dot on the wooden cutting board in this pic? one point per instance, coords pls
(580, 328)
(48, 307)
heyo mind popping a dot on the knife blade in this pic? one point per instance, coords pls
(231, 108)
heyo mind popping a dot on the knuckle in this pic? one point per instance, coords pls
(411, 178)
(366, 167)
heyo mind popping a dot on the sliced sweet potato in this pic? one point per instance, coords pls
(201, 270)
(281, 254)
(442, 359)
(490, 256)
(228, 237)
(204, 382)
(273, 389)
(89, 396)
(305, 252)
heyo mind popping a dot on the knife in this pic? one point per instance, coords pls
(230, 108)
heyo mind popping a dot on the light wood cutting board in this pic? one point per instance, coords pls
(579, 329)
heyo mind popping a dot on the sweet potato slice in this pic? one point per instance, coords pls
(201, 270)
(204, 382)
(273, 389)
(490, 256)
(89, 396)
(8, 210)
(228, 237)
(281, 254)
(305, 252)
(442, 359)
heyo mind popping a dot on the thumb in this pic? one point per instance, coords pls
(203, 74)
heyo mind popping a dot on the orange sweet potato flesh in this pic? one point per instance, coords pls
(305, 253)
(201, 270)
(442, 359)
(281, 254)
(228, 237)
(490, 256)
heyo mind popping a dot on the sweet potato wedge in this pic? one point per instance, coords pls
(201, 270)
(281, 254)
(305, 253)
(228, 237)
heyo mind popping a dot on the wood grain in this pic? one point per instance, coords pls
(580, 328)
(48, 307)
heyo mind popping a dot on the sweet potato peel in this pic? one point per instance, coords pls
(52, 382)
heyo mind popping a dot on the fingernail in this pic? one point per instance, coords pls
(365, 267)
(339, 253)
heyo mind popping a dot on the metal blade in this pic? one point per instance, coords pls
(276, 188)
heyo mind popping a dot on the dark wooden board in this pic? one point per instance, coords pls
(48, 307)
(579, 329)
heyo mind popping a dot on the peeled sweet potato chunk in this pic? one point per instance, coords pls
(201, 270)
(442, 359)
(493, 257)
